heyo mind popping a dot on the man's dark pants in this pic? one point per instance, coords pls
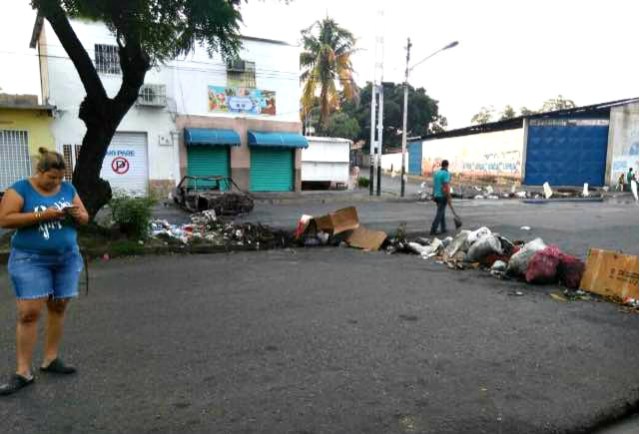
(439, 220)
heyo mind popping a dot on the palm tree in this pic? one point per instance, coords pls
(326, 59)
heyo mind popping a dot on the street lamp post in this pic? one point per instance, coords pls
(406, 104)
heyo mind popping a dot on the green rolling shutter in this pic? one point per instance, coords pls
(271, 169)
(208, 161)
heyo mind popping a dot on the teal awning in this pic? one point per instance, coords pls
(280, 140)
(210, 137)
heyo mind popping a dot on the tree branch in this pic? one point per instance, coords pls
(57, 17)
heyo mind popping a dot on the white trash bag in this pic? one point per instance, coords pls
(520, 260)
(486, 245)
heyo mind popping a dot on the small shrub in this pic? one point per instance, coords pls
(363, 182)
(132, 215)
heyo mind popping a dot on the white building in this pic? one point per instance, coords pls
(196, 115)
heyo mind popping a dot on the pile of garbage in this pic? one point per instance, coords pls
(534, 261)
(207, 228)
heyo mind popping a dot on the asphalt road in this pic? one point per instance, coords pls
(324, 341)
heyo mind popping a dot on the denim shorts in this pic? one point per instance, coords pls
(42, 275)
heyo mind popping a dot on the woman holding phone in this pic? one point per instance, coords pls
(45, 261)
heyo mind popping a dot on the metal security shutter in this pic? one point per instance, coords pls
(126, 166)
(271, 169)
(14, 157)
(566, 153)
(415, 158)
(208, 161)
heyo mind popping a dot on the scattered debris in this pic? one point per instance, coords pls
(585, 190)
(548, 192)
(558, 296)
(340, 226)
(206, 227)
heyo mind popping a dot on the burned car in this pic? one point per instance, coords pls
(218, 193)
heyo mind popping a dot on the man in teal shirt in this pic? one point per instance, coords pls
(441, 180)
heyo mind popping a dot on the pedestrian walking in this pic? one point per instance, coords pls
(45, 262)
(441, 196)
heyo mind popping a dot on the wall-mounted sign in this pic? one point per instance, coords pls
(241, 100)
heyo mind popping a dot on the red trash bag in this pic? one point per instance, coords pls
(543, 267)
(570, 271)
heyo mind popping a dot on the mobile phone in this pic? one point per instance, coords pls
(69, 208)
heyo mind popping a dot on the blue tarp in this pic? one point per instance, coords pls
(210, 137)
(277, 139)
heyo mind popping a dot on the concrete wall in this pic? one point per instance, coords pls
(240, 155)
(393, 162)
(622, 151)
(37, 123)
(493, 156)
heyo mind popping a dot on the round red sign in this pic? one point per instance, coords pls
(120, 165)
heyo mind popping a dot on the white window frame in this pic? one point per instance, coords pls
(10, 174)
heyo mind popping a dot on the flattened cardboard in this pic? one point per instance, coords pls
(366, 239)
(611, 274)
(345, 219)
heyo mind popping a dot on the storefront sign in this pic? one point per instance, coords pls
(241, 100)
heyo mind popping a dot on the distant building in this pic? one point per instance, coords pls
(195, 115)
(591, 144)
(25, 126)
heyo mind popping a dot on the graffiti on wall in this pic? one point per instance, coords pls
(625, 144)
(507, 164)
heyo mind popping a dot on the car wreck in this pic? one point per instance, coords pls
(218, 193)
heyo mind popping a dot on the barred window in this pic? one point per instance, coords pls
(15, 163)
(241, 73)
(107, 59)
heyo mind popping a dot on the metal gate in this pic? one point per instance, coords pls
(415, 158)
(271, 169)
(14, 157)
(208, 161)
(566, 152)
(125, 166)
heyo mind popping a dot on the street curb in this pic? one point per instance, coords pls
(160, 250)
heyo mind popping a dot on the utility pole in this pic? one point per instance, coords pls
(380, 116)
(404, 118)
(372, 142)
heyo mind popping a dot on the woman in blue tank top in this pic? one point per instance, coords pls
(45, 262)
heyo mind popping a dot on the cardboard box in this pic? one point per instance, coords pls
(611, 274)
(345, 219)
(365, 239)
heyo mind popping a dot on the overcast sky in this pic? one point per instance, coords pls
(510, 52)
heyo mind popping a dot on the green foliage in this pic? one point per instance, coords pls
(163, 28)
(132, 215)
(484, 116)
(363, 182)
(557, 103)
(507, 113)
(340, 125)
(326, 59)
(526, 112)
(423, 117)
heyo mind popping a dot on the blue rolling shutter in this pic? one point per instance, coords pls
(566, 155)
(208, 161)
(271, 169)
(415, 158)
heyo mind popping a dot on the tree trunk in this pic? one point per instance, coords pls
(94, 191)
